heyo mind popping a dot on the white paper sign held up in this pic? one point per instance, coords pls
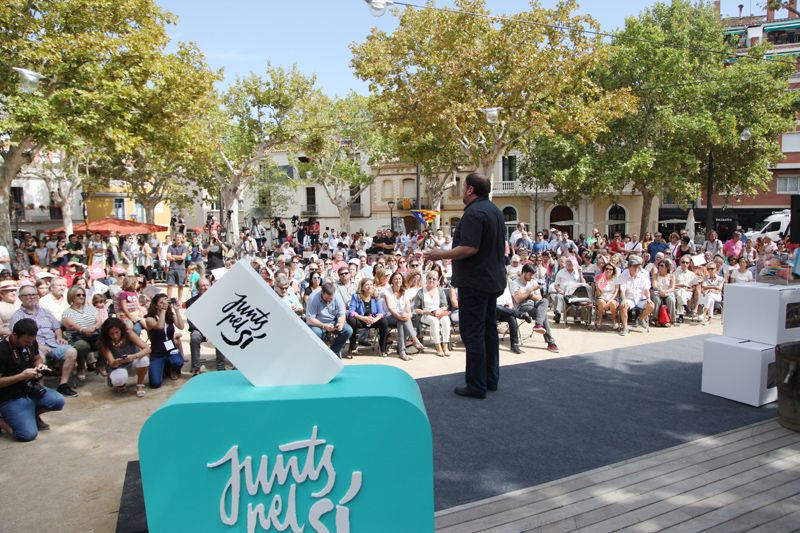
(257, 332)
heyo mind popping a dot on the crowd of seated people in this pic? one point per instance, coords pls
(95, 309)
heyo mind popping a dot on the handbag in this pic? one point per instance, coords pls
(663, 315)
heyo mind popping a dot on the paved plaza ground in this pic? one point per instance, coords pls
(72, 475)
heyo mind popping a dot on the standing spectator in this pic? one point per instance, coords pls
(49, 337)
(634, 246)
(215, 252)
(22, 397)
(657, 246)
(712, 244)
(75, 249)
(634, 287)
(9, 303)
(5, 259)
(162, 318)
(56, 300)
(176, 275)
(733, 248)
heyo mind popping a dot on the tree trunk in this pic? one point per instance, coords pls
(647, 204)
(66, 214)
(710, 193)
(344, 216)
(436, 204)
(6, 238)
(230, 196)
(149, 213)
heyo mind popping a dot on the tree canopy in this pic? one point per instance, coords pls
(692, 100)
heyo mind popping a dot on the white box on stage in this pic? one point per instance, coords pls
(739, 370)
(760, 312)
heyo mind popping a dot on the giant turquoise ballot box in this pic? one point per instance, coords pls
(354, 455)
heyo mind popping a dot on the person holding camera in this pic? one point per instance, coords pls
(215, 252)
(22, 397)
(162, 317)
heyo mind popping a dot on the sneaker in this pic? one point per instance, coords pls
(65, 390)
(538, 328)
(645, 325)
(679, 320)
(552, 348)
(526, 317)
(623, 331)
(557, 317)
(41, 425)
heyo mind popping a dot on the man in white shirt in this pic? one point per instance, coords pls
(634, 288)
(634, 246)
(56, 300)
(528, 299)
(517, 234)
(685, 287)
(5, 259)
(9, 303)
(565, 279)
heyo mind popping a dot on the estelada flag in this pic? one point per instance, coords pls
(425, 216)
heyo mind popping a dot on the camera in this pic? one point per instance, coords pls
(173, 301)
(35, 390)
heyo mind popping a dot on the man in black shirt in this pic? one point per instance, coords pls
(22, 397)
(479, 275)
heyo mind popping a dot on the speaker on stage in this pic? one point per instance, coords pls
(795, 214)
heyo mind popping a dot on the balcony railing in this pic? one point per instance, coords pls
(309, 210)
(516, 187)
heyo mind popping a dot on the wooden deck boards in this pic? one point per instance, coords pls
(744, 479)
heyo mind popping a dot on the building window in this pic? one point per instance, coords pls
(119, 208)
(311, 196)
(386, 190)
(409, 189)
(18, 202)
(455, 190)
(510, 216)
(510, 168)
(788, 185)
(140, 215)
(790, 142)
(617, 212)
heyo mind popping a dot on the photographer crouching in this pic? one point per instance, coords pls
(22, 396)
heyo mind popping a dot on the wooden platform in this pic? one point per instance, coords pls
(745, 479)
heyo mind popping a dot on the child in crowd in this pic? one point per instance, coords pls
(193, 276)
(130, 311)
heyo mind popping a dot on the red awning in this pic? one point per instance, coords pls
(123, 227)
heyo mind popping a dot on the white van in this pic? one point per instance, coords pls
(773, 226)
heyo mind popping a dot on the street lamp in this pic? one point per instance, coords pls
(29, 80)
(391, 215)
(379, 7)
(492, 114)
